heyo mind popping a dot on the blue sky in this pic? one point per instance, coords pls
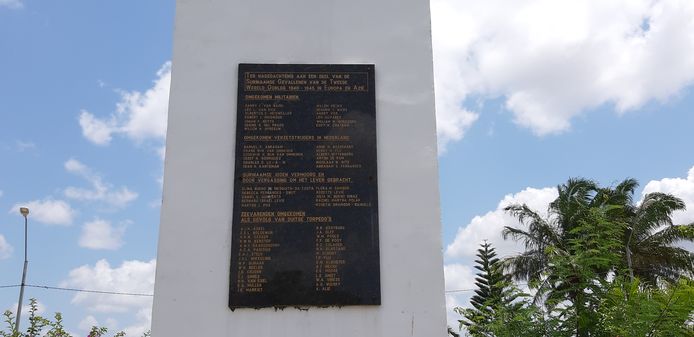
(528, 95)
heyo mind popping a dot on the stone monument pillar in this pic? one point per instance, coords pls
(301, 180)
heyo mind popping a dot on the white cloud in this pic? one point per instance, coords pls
(100, 190)
(679, 187)
(87, 323)
(11, 3)
(489, 226)
(147, 113)
(139, 116)
(130, 277)
(5, 248)
(95, 130)
(74, 166)
(162, 152)
(460, 282)
(90, 321)
(40, 308)
(143, 324)
(24, 146)
(459, 276)
(454, 300)
(162, 155)
(47, 211)
(100, 234)
(552, 60)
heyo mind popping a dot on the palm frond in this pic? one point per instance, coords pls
(664, 262)
(670, 235)
(573, 200)
(528, 239)
(656, 211)
(527, 266)
(622, 194)
(539, 232)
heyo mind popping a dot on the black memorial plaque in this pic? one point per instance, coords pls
(305, 219)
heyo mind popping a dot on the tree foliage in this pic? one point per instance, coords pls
(491, 293)
(498, 307)
(652, 236)
(41, 326)
(630, 310)
(598, 264)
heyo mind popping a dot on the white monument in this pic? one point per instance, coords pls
(211, 39)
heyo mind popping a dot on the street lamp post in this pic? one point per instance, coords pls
(25, 212)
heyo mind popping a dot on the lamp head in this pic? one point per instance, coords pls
(24, 211)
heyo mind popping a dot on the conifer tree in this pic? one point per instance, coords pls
(499, 309)
(492, 294)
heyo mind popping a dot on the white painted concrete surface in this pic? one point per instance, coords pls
(211, 38)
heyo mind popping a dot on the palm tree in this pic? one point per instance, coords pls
(554, 263)
(590, 231)
(649, 235)
(564, 214)
(650, 240)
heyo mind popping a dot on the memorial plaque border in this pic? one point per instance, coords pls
(360, 236)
